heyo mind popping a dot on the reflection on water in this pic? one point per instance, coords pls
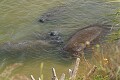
(19, 20)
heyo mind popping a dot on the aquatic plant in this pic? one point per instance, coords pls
(8, 71)
(115, 19)
(103, 65)
(19, 77)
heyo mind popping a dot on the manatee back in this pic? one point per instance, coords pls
(84, 36)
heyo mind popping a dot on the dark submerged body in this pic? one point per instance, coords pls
(53, 14)
(83, 37)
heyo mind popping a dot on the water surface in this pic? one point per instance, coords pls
(19, 22)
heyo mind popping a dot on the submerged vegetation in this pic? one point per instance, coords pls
(103, 65)
(116, 24)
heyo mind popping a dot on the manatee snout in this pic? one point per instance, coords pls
(42, 20)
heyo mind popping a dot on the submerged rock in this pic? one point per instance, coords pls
(84, 37)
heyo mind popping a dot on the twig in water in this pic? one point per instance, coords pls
(117, 73)
(32, 77)
(74, 71)
(62, 77)
(54, 74)
(39, 78)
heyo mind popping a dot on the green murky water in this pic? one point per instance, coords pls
(19, 21)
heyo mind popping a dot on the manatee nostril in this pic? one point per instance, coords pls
(41, 20)
(54, 33)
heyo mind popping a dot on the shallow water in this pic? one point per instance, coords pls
(19, 21)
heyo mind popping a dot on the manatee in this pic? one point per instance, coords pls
(23, 45)
(53, 14)
(79, 41)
